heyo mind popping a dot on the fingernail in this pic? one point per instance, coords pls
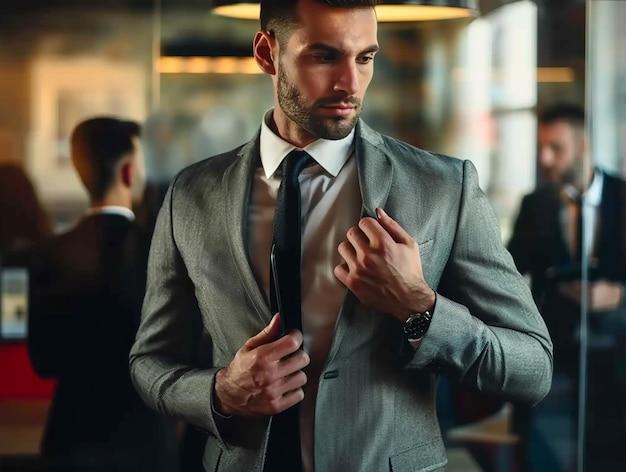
(380, 212)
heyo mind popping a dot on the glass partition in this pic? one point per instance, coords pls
(602, 391)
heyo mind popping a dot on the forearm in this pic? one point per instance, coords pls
(165, 364)
(511, 363)
(173, 389)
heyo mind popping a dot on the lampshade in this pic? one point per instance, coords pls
(411, 10)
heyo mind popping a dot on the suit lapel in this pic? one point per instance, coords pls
(238, 180)
(374, 169)
(375, 174)
(610, 234)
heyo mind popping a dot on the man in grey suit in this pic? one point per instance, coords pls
(430, 288)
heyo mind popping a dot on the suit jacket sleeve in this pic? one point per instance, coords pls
(164, 359)
(486, 329)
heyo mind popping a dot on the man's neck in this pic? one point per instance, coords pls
(112, 200)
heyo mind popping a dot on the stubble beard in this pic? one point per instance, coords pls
(292, 103)
(575, 174)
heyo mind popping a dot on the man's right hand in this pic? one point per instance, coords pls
(603, 295)
(265, 377)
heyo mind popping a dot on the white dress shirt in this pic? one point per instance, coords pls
(330, 204)
(111, 210)
(591, 214)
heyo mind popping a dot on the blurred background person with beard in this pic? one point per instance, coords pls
(547, 244)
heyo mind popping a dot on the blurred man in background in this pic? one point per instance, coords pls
(580, 211)
(85, 298)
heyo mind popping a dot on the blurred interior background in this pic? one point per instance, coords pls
(469, 87)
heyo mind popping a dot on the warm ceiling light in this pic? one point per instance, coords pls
(426, 10)
(544, 74)
(416, 10)
(208, 65)
(244, 11)
(555, 74)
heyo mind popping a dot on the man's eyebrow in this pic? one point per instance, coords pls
(329, 48)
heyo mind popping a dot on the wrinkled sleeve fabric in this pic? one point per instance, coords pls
(163, 358)
(486, 330)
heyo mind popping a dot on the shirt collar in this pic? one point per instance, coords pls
(330, 154)
(593, 195)
(111, 210)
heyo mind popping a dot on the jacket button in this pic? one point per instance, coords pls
(331, 374)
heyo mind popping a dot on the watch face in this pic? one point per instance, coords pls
(417, 325)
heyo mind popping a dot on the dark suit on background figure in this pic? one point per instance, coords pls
(539, 247)
(85, 301)
(545, 245)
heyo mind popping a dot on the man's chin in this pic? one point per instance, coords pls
(337, 128)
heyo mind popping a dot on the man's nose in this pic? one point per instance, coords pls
(546, 157)
(348, 80)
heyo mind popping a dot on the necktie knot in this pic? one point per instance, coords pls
(293, 164)
(571, 195)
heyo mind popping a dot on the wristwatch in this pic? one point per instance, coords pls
(416, 325)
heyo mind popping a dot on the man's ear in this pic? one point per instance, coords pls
(127, 173)
(264, 46)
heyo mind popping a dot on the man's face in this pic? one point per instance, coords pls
(560, 152)
(323, 72)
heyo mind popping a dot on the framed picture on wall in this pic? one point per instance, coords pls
(13, 303)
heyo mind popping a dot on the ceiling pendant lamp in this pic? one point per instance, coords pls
(426, 10)
(398, 11)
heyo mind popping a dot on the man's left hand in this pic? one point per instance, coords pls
(383, 268)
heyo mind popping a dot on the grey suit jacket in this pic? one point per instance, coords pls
(375, 408)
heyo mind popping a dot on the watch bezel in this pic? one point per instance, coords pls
(416, 325)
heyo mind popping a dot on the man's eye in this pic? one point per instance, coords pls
(366, 59)
(329, 57)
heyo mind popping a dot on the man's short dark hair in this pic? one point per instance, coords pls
(279, 16)
(568, 112)
(97, 146)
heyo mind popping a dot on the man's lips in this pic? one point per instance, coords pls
(339, 109)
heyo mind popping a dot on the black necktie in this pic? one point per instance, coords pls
(287, 244)
(283, 448)
(574, 201)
